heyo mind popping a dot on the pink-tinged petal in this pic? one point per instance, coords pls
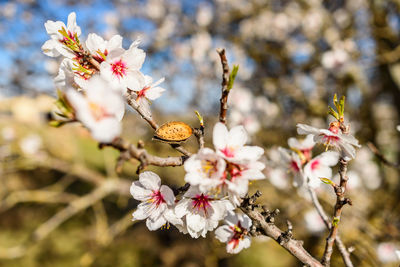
(153, 225)
(329, 158)
(182, 207)
(223, 233)
(237, 136)
(154, 92)
(150, 180)
(167, 194)
(220, 136)
(140, 193)
(306, 129)
(135, 80)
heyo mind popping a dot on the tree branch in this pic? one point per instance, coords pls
(381, 157)
(341, 201)
(338, 241)
(263, 222)
(225, 81)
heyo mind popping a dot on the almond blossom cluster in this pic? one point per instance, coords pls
(218, 180)
(96, 76)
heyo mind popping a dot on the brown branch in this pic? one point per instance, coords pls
(381, 157)
(225, 81)
(265, 226)
(341, 201)
(143, 156)
(199, 133)
(338, 241)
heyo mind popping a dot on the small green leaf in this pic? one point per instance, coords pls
(333, 113)
(232, 76)
(201, 120)
(342, 102)
(327, 181)
(335, 221)
(56, 124)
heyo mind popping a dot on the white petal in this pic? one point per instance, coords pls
(223, 233)
(140, 214)
(106, 130)
(306, 129)
(150, 180)
(237, 136)
(220, 136)
(154, 92)
(171, 217)
(182, 207)
(156, 224)
(329, 158)
(49, 48)
(167, 194)
(138, 192)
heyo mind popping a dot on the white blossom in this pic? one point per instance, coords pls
(158, 201)
(387, 252)
(200, 212)
(231, 144)
(56, 45)
(100, 48)
(146, 92)
(332, 137)
(235, 232)
(305, 146)
(121, 68)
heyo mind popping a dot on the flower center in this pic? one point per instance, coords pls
(142, 93)
(295, 167)
(232, 171)
(119, 68)
(201, 202)
(229, 152)
(238, 234)
(209, 167)
(157, 198)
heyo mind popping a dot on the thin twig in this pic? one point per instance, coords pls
(341, 201)
(381, 157)
(225, 82)
(338, 241)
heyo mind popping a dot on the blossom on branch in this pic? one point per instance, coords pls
(157, 201)
(235, 232)
(98, 109)
(121, 68)
(304, 146)
(100, 48)
(63, 39)
(201, 212)
(345, 143)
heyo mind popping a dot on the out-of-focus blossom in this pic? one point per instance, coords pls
(158, 201)
(387, 252)
(99, 109)
(56, 45)
(314, 222)
(235, 232)
(305, 146)
(201, 212)
(332, 137)
(334, 58)
(8, 133)
(30, 144)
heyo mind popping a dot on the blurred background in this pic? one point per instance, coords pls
(294, 56)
